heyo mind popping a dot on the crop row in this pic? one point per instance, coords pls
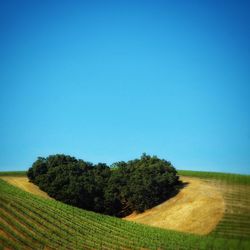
(226, 177)
(34, 222)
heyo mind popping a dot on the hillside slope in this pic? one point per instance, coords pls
(23, 183)
(197, 208)
(235, 189)
(32, 222)
(209, 203)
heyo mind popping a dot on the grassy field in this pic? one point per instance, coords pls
(32, 222)
(13, 173)
(226, 177)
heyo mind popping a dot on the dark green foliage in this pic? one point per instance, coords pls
(129, 186)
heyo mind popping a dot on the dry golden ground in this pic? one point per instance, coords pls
(23, 183)
(197, 208)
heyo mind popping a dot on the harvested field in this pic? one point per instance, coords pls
(197, 208)
(23, 183)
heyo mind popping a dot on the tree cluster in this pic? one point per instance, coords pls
(116, 190)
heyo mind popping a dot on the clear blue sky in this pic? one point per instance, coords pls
(108, 80)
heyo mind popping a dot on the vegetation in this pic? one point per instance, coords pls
(227, 177)
(134, 185)
(32, 222)
(13, 173)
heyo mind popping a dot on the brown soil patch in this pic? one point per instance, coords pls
(23, 183)
(197, 208)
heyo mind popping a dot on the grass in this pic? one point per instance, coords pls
(227, 177)
(32, 222)
(13, 173)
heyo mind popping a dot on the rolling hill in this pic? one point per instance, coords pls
(32, 221)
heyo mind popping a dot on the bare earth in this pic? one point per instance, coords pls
(197, 208)
(23, 183)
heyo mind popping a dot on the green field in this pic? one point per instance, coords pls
(13, 173)
(32, 222)
(226, 177)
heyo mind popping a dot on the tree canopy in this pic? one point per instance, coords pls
(116, 190)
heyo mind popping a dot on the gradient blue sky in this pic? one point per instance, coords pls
(108, 80)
